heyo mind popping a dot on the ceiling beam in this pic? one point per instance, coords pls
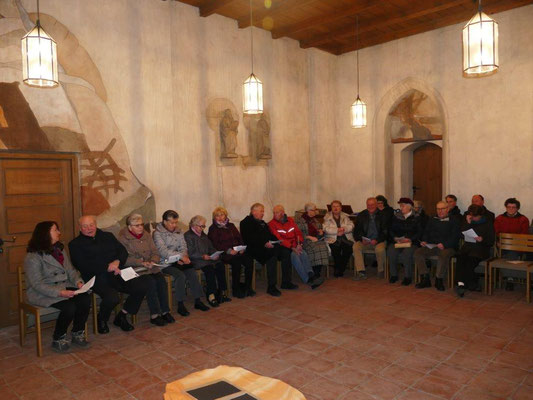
(361, 6)
(212, 6)
(349, 31)
(279, 7)
(461, 16)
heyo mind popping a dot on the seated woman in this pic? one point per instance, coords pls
(200, 251)
(51, 281)
(312, 231)
(404, 236)
(170, 242)
(143, 253)
(472, 253)
(225, 236)
(338, 229)
(286, 231)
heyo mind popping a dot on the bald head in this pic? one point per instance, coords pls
(87, 225)
(278, 211)
(442, 209)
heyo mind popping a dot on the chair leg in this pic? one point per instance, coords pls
(38, 335)
(168, 278)
(253, 278)
(22, 327)
(487, 268)
(415, 273)
(490, 281)
(327, 270)
(226, 271)
(86, 330)
(528, 286)
(95, 314)
(134, 319)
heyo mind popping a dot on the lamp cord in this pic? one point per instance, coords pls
(357, 50)
(38, 14)
(251, 36)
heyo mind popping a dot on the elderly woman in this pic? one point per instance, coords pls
(404, 236)
(51, 281)
(259, 241)
(201, 251)
(170, 242)
(285, 229)
(143, 253)
(338, 229)
(314, 245)
(225, 237)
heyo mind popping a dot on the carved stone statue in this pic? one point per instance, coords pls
(263, 139)
(228, 135)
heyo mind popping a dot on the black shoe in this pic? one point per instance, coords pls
(169, 318)
(316, 283)
(78, 339)
(424, 282)
(159, 321)
(213, 303)
(289, 286)
(200, 306)
(407, 281)
(224, 299)
(250, 292)
(61, 345)
(273, 291)
(460, 290)
(183, 311)
(102, 326)
(439, 284)
(360, 276)
(121, 321)
(393, 279)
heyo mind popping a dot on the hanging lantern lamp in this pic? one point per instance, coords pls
(252, 87)
(358, 110)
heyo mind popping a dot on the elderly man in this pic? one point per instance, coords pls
(441, 239)
(98, 253)
(338, 230)
(370, 234)
(453, 209)
(479, 200)
(291, 238)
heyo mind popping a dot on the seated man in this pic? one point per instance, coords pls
(511, 221)
(453, 210)
(259, 241)
(440, 238)
(98, 253)
(370, 233)
(285, 229)
(479, 200)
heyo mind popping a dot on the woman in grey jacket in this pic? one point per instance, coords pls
(51, 281)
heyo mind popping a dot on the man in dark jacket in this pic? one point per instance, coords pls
(453, 210)
(369, 234)
(475, 249)
(479, 200)
(440, 238)
(258, 239)
(97, 253)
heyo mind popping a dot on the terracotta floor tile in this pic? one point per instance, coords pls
(347, 376)
(270, 367)
(453, 374)
(418, 363)
(467, 362)
(413, 394)
(7, 394)
(49, 393)
(120, 368)
(401, 374)
(470, 394)
(381, 388)
(297, 377)
(438, 387)
(487, 383)
(138, 381)
(357, 395)
(323, 388)
(523, 393)
(110, 391)
(170, 369)
(153, 392)
(517, 360)
(507, 372)
(365, 363)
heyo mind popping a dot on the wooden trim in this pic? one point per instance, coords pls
(212, 6)
(278, 8)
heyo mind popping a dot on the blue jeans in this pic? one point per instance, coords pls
(301, 264)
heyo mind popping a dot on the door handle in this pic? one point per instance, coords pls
(416, 188)
(13, 238)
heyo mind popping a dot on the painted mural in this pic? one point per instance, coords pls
(72, 117)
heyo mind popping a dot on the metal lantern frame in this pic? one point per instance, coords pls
(358, 109)
(252, 88)
(39, 57)
(480, 45)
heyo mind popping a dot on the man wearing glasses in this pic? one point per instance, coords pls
(440, 238)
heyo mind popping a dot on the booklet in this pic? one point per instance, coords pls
(274, 241)
(128, 273)
(215, 255)
(171, 260)
(239, 248)
(470, 235)
(85, 288)
(431, 245)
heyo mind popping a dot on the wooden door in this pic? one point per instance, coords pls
(33, 188)
(427, 176)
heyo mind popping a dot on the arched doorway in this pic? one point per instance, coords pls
(427, 175)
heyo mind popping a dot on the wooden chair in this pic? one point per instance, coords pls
(450, 273)
(31, 316)
(514, 242)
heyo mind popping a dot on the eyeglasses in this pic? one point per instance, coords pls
(442, 208)
(201, 226)
(138, 225)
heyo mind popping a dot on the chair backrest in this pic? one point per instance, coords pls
(514, 241)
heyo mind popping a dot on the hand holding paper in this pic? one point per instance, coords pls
(239, 248)
(215, 255)
(470, 235)
(85, 288)
(128, 273)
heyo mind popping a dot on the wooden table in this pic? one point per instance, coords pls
(261, 387)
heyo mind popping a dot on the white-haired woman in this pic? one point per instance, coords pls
(143, 253)
(200, 251)
(314, 245)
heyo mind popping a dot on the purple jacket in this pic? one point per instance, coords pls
(224, 238)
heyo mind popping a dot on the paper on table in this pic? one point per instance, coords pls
(470, 235)
(128, 273)
(431, 245)
(239, 248)
(215, 254)
(87, 286)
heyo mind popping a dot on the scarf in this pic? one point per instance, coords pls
(312, 224)
(221, 224)
(58, 255)
(135, 235)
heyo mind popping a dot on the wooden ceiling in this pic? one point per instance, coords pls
(330, 25)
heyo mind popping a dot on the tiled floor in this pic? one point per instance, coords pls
(347, 340)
